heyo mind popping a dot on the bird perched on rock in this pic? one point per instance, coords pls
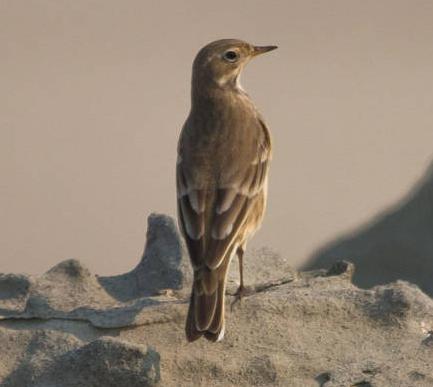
(224, 152)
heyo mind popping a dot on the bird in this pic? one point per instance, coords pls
(223, 156)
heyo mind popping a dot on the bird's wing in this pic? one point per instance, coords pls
(211, 219)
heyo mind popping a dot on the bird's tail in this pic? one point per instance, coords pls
(206, 307)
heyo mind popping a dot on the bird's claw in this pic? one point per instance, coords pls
(240, 293)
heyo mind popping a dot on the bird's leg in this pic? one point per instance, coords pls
(241, 290)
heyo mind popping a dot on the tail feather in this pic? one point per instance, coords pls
(192, 334)
(206, 311)
(215, 332)
(218, 320)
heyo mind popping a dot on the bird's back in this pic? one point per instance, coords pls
(219, 140)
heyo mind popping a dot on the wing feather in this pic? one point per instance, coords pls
(211, 216)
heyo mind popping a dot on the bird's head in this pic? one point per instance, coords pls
(221, 62)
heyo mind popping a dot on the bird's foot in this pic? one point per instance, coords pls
(240, 293)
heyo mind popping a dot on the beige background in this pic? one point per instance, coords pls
(93, 95)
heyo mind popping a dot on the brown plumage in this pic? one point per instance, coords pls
(223, 159)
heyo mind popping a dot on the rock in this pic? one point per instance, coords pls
(260, 371)
(39, 349)
(260, 267)
(70, 291)
(70, 327)
(14, 290)
(400, 303)
(149, 293)
(164, 265)
(13, 286)
(106, 362)
(342, 268)
(54, 359)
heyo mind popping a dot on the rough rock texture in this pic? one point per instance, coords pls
(55, 359)
(70, 291)
(164, 264)
(72, 328)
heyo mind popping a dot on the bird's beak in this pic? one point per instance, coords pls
(257, 50)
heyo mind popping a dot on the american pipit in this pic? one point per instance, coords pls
(223, 159)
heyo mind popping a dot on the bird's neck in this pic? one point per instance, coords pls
(209, 91)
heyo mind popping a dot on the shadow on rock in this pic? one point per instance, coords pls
(397, 244)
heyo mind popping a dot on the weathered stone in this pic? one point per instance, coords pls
(70, 291)
(293, 329)
(164, 264)
(60, 360)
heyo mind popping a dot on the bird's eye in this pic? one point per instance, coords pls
(230, 56)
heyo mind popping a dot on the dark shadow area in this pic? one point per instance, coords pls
(396, 244)
(13, 285)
